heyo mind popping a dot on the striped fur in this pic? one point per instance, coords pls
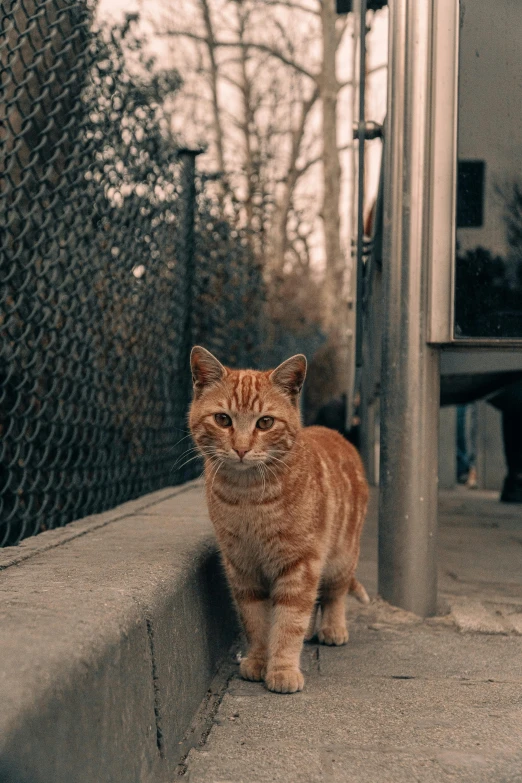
(288, 505)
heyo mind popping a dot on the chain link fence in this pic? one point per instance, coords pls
(114, 259)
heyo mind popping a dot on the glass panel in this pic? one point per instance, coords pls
(488, 278)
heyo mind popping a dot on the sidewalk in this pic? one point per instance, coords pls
(405, 700)
(111, 630)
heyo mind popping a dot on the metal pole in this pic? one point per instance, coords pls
(186, 250)
(181, 393)
(186, 253)
(410, 368)
(361, 135)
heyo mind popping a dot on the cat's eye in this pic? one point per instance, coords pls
(223, 420)
(265, 422)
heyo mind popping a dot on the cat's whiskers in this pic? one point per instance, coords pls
(259, 466)
(272, 471)
(176, 466)
(265, 474)
(198, 451)
(187, 462)
(175, 445)
(295, 443)
(220, 465)
(192, 450)
(277, 459)
(210, 464)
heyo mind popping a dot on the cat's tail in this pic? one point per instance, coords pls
(357, 590)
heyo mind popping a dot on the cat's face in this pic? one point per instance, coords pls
(245, 418)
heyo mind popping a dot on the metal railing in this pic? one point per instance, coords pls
(114, 258)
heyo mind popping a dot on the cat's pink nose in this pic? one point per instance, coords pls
(241, 452)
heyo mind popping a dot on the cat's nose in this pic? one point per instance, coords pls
(241, 452)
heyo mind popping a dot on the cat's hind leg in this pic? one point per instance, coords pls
(333, 629)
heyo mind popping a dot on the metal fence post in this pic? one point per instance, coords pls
(410, 371)
(187, 213)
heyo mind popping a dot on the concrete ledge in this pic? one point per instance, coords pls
(110, 632)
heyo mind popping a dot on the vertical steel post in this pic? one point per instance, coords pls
(185, 257)
(186, 251)
(361, 136)
(410, 369)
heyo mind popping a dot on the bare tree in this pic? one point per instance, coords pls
(263, 82)
(321, 74)
(261, 110)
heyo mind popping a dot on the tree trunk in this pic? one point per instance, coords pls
(331, 168)
(216, 112)
(246, 125)
(280, 239)
(335, 306)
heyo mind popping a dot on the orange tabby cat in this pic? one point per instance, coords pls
(288, 505)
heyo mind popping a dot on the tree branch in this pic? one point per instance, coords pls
(382, 67)
(241, 45)
(183, 34)
(370, 72)
(339, 33)
(289, 4)
(273, 53)
(308, 165)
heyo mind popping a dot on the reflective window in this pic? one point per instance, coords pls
(488, 276)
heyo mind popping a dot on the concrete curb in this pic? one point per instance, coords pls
(111, 631)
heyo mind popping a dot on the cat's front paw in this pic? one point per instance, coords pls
(333, 635)
(284, 680)
(252, 669)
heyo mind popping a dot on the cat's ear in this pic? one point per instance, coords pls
(206, 369)
(290, 375)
